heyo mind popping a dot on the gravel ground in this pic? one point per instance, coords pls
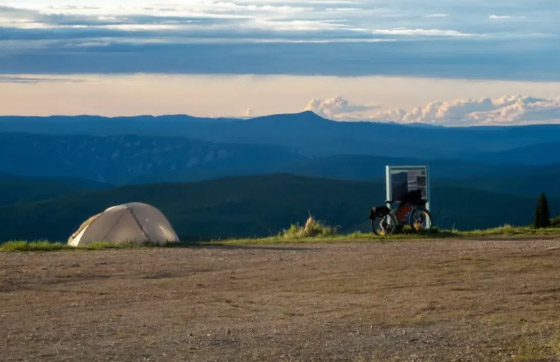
(446, 300)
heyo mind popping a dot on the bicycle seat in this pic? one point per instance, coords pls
(389, 202)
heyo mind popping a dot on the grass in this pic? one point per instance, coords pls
(508, 231)
(32, 246)
(107, 245)
(312, 228)
(503, 232)
(13, 246)
(312, 232)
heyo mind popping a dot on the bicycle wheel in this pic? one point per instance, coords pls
(384, 224)
(420, 220)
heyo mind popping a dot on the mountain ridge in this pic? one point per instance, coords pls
(305, 132)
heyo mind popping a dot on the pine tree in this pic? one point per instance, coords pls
(542, 214)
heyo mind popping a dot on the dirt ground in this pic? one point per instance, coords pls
(447, 300)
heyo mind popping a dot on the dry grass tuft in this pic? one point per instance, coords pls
(312, 228)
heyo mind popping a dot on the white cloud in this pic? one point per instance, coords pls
(338, 108)
(421, 32)
(268, 15)
(249, 113)
(294, 25)
(521, 110)
(142, 27)
(498, 17)
(505, 17)
(507, 110)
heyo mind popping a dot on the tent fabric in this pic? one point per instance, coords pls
(134, 222)
(84, 225)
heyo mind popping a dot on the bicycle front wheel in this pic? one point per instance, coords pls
(384, 224)
(420, 220)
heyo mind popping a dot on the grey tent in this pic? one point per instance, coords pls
(135, 222)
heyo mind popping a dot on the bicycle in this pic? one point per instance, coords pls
(411, 211)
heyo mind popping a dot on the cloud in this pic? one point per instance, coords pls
(352, 32)
(398, 18)
(505, 17)
(507, 110)
(422, 32)
(249, 113)
(520, 110)
(497, 17)
(338, 108)
(109, 52)
(21, 79)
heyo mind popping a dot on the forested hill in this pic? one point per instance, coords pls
(261, 206)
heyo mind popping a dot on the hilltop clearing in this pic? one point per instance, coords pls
(406, 300)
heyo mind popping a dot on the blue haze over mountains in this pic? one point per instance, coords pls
(172, 144)
(86, 154)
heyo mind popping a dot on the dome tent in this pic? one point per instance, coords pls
(134, 222)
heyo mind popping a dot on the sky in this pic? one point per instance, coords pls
(447, 62)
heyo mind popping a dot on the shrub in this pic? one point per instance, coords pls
(312, 228)
(542, 214)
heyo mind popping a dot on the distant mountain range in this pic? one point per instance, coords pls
(142, 159)
(129, 158)
(311, 135)
(56, 171)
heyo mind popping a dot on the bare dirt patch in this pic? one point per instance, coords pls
(463, 300)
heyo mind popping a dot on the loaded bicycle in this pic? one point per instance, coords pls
(411, 211)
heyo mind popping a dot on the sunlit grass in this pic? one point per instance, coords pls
(32, 246)
(316, 233)
(13, 246)
(107, 245)
(508, 230)
(501, 232)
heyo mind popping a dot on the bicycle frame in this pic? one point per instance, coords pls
(402, 212)
(397, 219)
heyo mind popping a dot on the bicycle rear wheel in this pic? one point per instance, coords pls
(384, 224)
(420, 220)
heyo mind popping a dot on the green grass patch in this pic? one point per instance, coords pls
(503, 232)
(107, 245)
(509, 231)
(32, 246)
(313, 232)
(21, 246)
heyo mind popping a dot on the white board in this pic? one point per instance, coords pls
(401, 180)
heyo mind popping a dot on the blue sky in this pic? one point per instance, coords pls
(460, 39)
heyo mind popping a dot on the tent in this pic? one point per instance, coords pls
(134, 222)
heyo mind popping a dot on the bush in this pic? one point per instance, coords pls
(312, 228)
(542, 214)
(555, 222)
